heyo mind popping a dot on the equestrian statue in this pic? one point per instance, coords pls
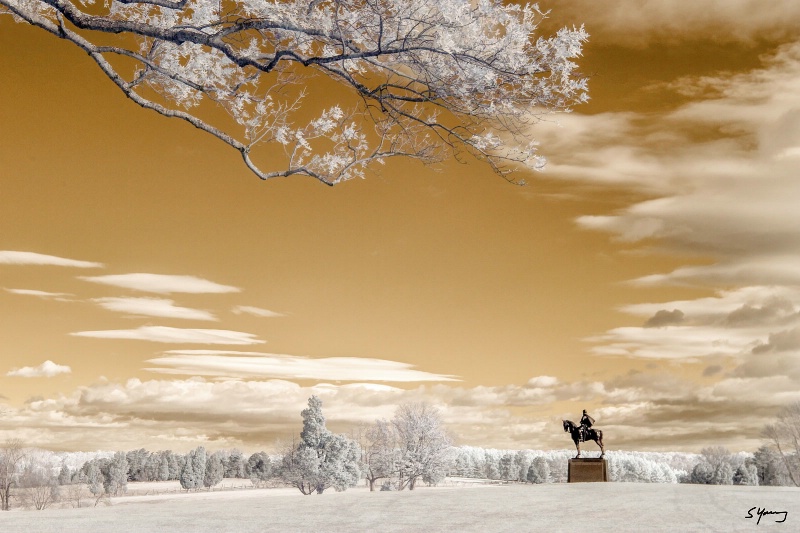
(584, 432)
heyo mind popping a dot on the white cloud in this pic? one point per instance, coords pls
(9, 257)
(674, 342)
(229, 413)
(733, 323)
(40, 294)
(158, 307)
(543, 381)
(48, 369)
(175, 335)
(255, 311)
(732, 197)
(716, 308)
(162, 283)
(267, 365)
(640, 22)
(722, 189)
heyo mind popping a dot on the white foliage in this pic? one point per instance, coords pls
(632, 467)
(425, 77)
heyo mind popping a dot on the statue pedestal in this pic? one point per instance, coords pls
(587, 470)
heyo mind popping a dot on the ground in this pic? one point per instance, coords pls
(460, 508)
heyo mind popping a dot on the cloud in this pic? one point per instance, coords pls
(255, 311)
(267, 365)
(61, 296)
(720, 176)
(48, 369)
(730, 195)
(638, 410)
(30, 258)
(676, 342)
(782, 341)
(174, 335)
(777, 302)
(153, 307)
(161, 283)
(774, 310)
(733, 323)
(664, 318)
(643, 22)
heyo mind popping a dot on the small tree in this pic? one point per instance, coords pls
(137, 465)
(194, 469)
(507, 467)
(746, 474)
(152, 467)
(75, 492)
(64, 475)
(322, 459)
(723, 474)
(539, 471)
(235, 465)
(491, 468)
(380, 455)
(703, 474)
(770, 467)
(94, 479)
(784, 434)
(214, 471)
(11, 455)
(176, 463)
(163, 466)
(39, 488)
(259, 469)
(424, 446)
(116, 479)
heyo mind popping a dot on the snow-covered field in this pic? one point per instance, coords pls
(491, 508)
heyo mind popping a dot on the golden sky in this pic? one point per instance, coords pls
(154, 293)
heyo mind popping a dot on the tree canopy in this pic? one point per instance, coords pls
(425, 79)
(323, 459)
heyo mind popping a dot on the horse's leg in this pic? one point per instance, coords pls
(600, 443)
(578, 447)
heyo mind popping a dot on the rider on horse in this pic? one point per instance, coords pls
(586, 423)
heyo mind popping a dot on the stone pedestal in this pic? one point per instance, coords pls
(587, 470)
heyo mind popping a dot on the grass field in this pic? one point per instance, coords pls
(508, 508)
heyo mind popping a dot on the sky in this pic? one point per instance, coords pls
(154, 293)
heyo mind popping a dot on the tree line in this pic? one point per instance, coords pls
(394, 454)
(410, 447)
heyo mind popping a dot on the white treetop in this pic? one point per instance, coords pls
(426, 78)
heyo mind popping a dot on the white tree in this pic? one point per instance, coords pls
(94, 479)
(64, 475)
(258, 469)
(194, 469)
(235, 465)
(116, 479)
(163, 465)
(423, 78)
(11, 455)
(424, 446)
(539, 471)
(39, 486)
(214, 471)
(322, 459)
(785, 436)
(380, 455)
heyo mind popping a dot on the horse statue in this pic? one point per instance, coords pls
(582, 434)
